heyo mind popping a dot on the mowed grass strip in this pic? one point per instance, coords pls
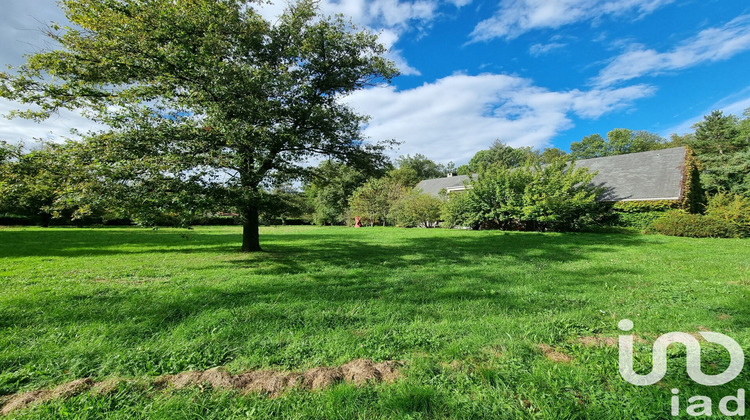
(475, 316)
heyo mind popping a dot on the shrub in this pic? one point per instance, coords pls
(733, 208)
(557, 196)
(679, 223)
(373, 200)
(645, 206)
(456, 211)
(640, 220)
(417, 209)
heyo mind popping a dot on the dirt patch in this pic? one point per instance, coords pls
(725, 317)
(598, 341)
(604, 341)
(269, 382)
(554, 355)
(26, 399)
(105, 387)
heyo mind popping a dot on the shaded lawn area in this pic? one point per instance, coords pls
(465, 310)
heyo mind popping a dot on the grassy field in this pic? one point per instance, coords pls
(474, 316)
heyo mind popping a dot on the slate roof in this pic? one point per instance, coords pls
(653, 175)
(434, 186)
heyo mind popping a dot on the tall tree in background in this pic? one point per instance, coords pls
(32, 183)
(207, 91)
(500, 154)
(717, 134)
(374, 200)
(592, 146)
(425, 168)
(619, 141)
(329, 190)
(722, 144)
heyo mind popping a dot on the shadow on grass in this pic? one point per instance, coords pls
(391, 286)
(321, 269)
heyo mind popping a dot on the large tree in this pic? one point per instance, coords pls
(207, 92)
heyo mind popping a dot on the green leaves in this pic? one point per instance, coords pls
(205, 95)
(556, 196)
(619, 141)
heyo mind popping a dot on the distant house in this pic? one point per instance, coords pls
(643, 176)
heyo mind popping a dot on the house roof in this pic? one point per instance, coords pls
(653, 175)
(434, 186)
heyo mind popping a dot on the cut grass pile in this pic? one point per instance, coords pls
(489, 324)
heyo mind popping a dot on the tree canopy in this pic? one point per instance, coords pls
(619, 141)
(423, 167)
(205, 95)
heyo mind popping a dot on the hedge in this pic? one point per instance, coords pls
(678, 223)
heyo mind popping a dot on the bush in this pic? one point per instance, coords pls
(456, 211)
(554, 197)
(373, 200)
(417, 209)
(640, 221)
(733, 208)
(679, 223)
(646, 206)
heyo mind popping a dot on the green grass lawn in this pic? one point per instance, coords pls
(465, 310)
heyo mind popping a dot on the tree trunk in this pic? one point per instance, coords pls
(250, 235)
(46, 219)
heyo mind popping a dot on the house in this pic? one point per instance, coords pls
(643, 176)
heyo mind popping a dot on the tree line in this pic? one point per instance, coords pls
(211, 108)
(517, 188)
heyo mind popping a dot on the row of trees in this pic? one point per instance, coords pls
(514, 187)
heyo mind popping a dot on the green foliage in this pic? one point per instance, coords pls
(374, 200)
(679, 223)
(734, 208)
(728, 172)
(556, 196)
(718, 134)
(206, 95)
(639, 220)
(551, 154)
(592, 146)
(722, 145)
(693, 193)
(423, 167)
(330, 189)
(619, 141)
(416, 209)
(286, 204)
(406, 176)
(499, 154)
(33, 183)
(457, 211)
(645, 206)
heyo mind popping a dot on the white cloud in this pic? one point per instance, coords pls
(454, 117)
(537, 50)
(390, 18)
(713, 44)
(515, 17)
(56, 128)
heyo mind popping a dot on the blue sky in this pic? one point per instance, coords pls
(528, 72)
